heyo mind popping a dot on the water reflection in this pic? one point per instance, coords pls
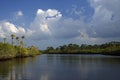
(13, 69)
(62, 67)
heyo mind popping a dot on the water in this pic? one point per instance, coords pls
(62, 67)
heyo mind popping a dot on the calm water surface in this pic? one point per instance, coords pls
(62, 67)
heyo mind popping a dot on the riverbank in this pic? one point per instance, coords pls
(8, 51)
(111, 48)
(112, 53)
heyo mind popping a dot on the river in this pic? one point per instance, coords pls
(62, 67)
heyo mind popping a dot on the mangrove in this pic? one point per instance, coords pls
(110, 48)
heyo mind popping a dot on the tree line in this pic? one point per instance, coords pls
(111, 48)
(16, 48)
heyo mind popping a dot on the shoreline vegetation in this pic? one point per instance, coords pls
(110, 48)
(16, 49)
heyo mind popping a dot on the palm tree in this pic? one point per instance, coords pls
(22, 37)
(17, 40)
(4, 39)
(22, 42)
(12, 36)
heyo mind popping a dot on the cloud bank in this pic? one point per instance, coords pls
(106, 19)
(51, 24)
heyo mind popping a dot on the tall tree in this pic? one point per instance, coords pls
(12, 36)
(4, 40)
(17, 40)
(22, 42)
(22, 37)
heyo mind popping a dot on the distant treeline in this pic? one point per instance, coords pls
(16, 48)
(111, 48)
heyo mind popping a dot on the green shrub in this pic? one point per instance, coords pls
(7, 51)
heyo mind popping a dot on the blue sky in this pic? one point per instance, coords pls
(29, 7)
(54, 22)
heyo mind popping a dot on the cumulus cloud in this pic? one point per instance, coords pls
(41, 26)
(105, 20)
(51, 24)
(104, 23)
(7, 28)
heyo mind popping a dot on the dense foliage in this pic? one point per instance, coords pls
(112, 48)
(8, 51)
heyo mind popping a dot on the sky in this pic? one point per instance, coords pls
(54, 22)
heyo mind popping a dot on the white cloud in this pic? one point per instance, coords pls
(44, 28)
(21, 30)
(47, 24)
(52, 12)
(41, 26)
(50, 24)
(19, 13)
(105, 20)
(7, 28)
